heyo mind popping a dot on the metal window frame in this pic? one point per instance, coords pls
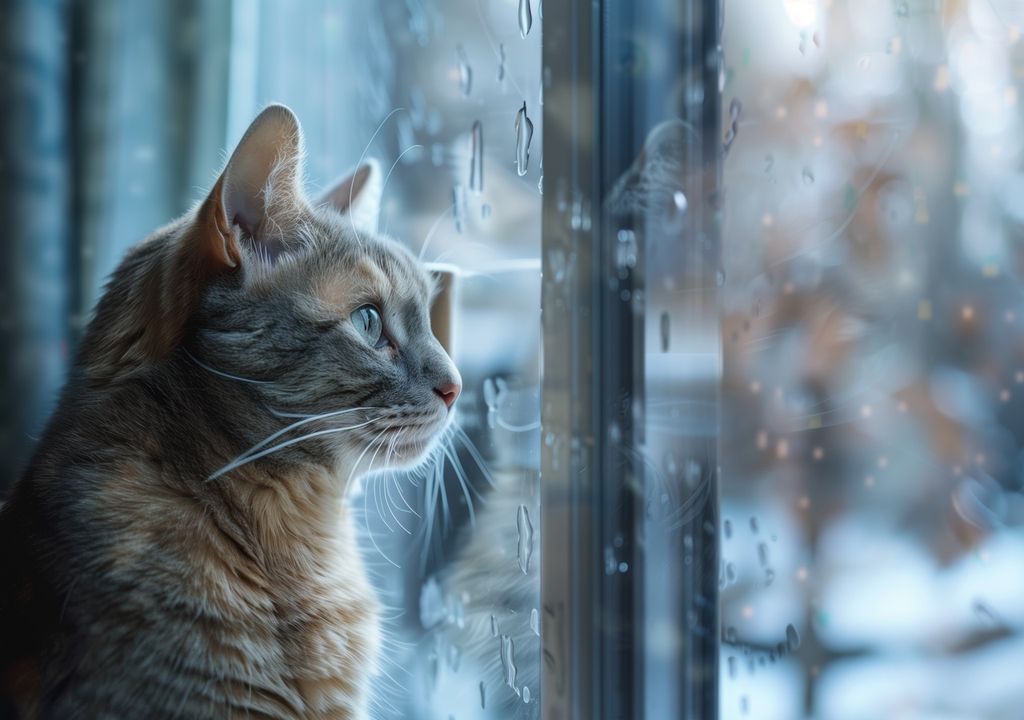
(594, 639)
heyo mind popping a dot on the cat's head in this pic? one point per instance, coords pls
(297, 304)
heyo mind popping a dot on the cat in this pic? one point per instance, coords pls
(179, 544)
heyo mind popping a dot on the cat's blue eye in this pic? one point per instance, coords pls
(369, 324)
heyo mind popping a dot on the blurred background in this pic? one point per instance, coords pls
(871, 311)
(873, 392)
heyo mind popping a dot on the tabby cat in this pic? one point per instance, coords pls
(179, 545)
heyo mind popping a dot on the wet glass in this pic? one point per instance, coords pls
(872, 405)
(447, 96)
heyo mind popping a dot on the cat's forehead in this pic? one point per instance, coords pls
(366, 267)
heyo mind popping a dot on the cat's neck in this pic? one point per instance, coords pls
(290, 521)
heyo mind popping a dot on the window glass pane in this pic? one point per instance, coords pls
(871, 502)
(447, 96)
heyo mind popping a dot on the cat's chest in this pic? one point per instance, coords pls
(326, 629)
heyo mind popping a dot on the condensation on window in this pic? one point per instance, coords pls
(873, 393)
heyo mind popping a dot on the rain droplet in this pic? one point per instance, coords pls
(525, 547)
(744, 705)
(458, 206)
(465, 71)
(808, 177)
(535, 622)
(720, 278)
(985, 613)
(525, 17)
(679, 201)
(494, 626)
(735, 108)
(727, 529)
(432, 608)
(730, 573)
(753, 524)
(483, 698)
(626, 250)
(665, 330)
(524, 136)
(491, 400)
(476, 158)
(732, 666)
(762, 554)
(454, 655)
(526, 694)
(792, 638)
(540, 184)
(485, 211)
(501, 62)
(508, 661)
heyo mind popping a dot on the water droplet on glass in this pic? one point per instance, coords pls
(792, 638)
(524, 136)
(626, 250)
(730, 573)
(540, 184)
(727, 529)
(491, 400)
(535, 622)
(720, 278)
(526, 694)
(454, 655)
(985, 613)
(476, 158)
(744, 704)
(762, 554)
(525, 17)
(485, 211)
(501, 62)
(508, 661)
(524, 549)
(666, 322)
(732, 666)
(753, 524)
(483, 698)
(458, 206)
(679, 201)
(465, 71)
(432, 607)
(735, 108)
(808, 176)
(494, 626)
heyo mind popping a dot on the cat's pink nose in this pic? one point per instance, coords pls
(448, 392)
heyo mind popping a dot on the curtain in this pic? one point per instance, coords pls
(115, 118)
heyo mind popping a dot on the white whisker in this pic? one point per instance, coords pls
(362, 156)
(223, 374)
(245, 459)
(433, 229)
(306, 419)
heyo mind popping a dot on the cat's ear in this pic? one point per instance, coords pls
(357, 195)
(259, 188)
(157, 289)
